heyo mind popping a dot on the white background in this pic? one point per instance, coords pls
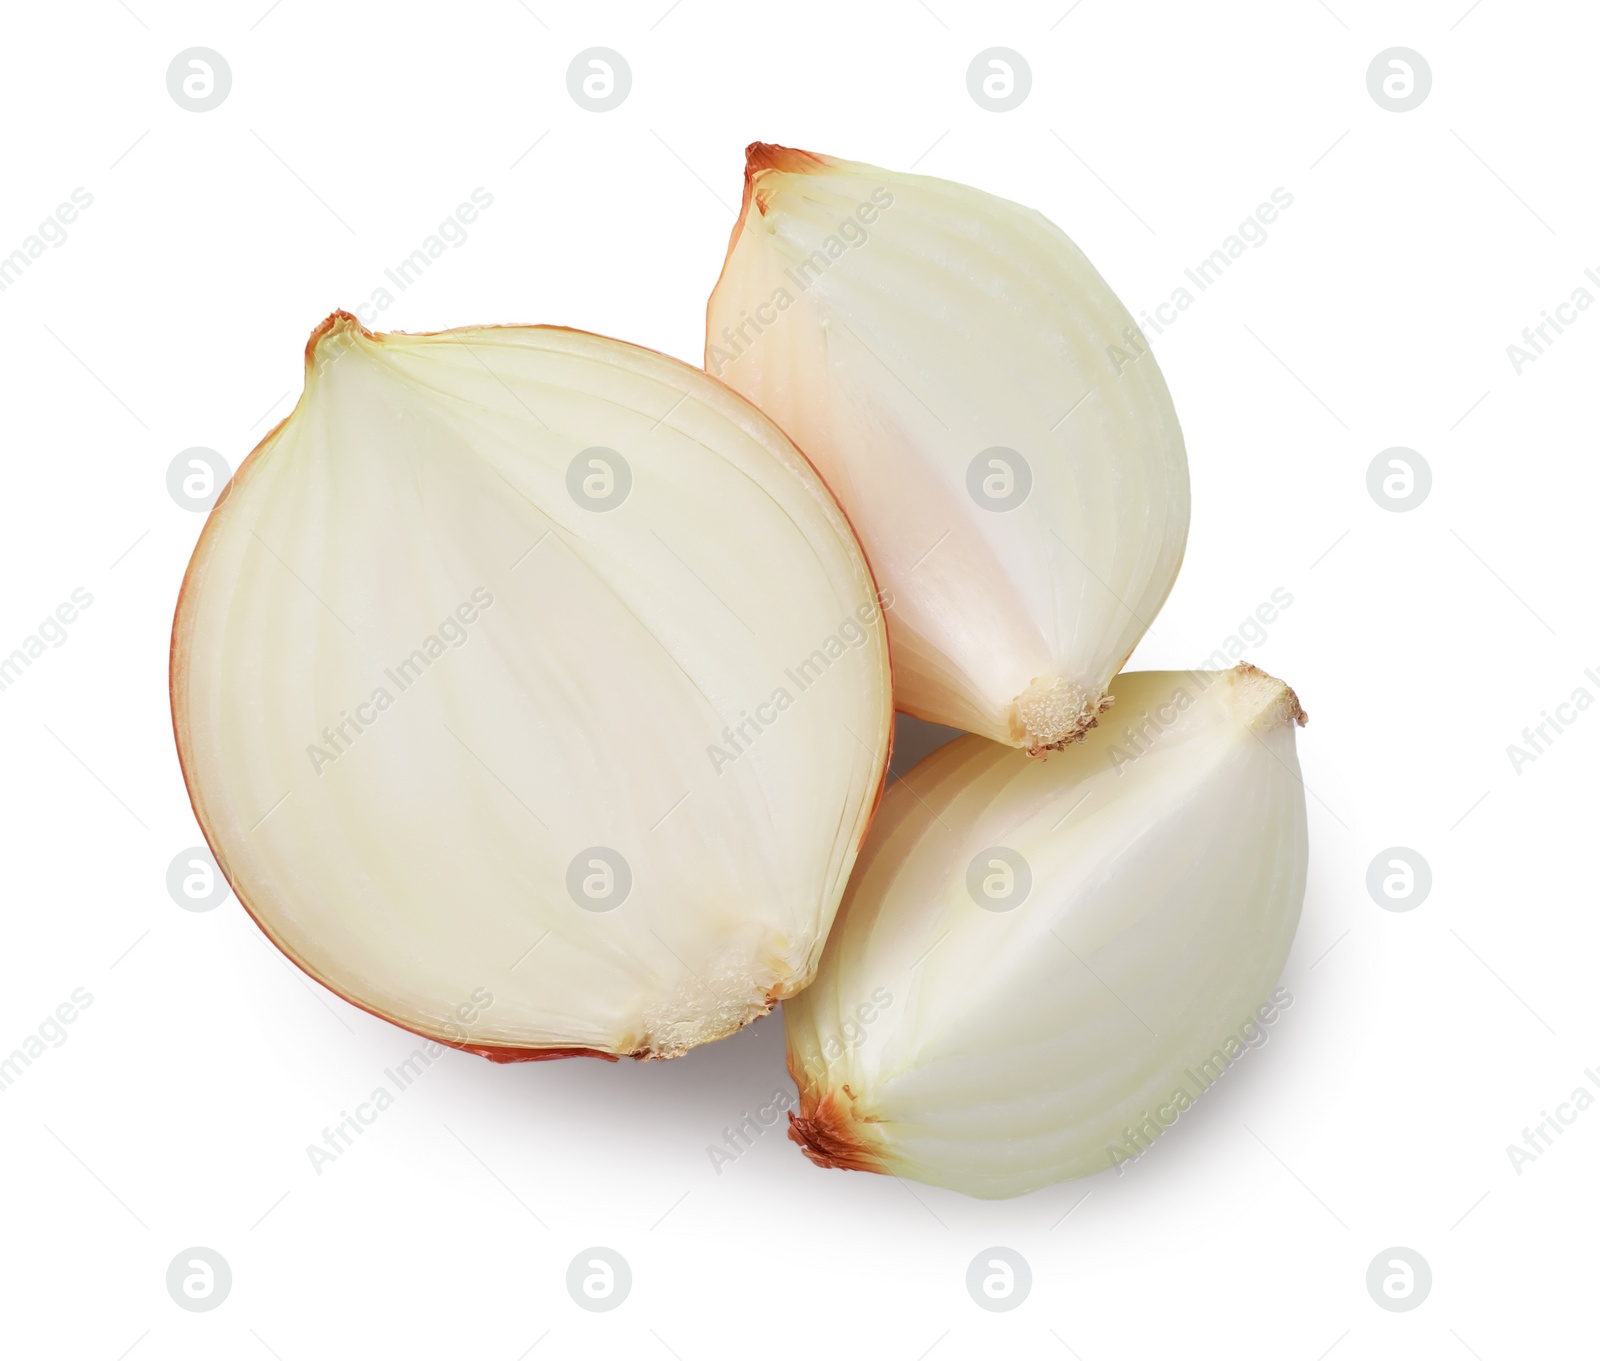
(1377, 313)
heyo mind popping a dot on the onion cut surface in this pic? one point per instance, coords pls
(526, 665)
(985, 410)
(1035, 958)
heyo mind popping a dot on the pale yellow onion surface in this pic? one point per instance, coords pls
(974, 1030)
(520, 677)
(899, 328)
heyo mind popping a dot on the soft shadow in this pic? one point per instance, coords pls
(914, 739)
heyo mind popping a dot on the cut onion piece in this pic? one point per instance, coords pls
(989, 417)
(532, 692)
(1040, 964)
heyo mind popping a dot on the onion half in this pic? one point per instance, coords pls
(532, 692)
